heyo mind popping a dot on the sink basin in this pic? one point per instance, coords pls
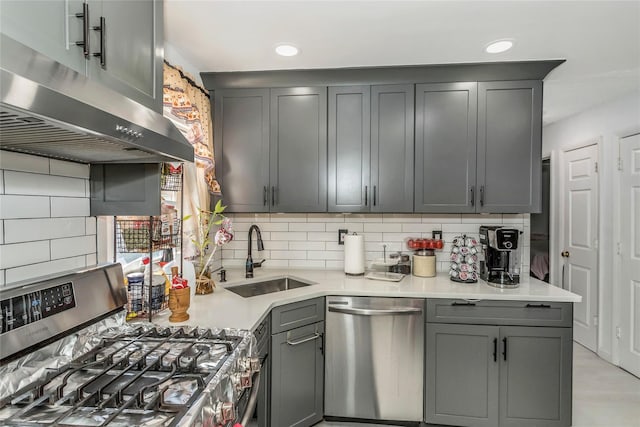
(262, 287)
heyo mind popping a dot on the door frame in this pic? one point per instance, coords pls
(557, 223)
(617, 261)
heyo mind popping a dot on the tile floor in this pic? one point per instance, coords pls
(603, 395)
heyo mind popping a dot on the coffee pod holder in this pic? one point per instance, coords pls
(464, 260)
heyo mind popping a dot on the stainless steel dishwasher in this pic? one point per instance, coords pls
(374, 358)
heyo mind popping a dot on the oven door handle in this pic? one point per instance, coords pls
(253, 400)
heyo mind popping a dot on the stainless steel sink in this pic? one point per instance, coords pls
(262, 287)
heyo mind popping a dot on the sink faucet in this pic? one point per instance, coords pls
(250, 265)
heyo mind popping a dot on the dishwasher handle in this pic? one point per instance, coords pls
(377, 311)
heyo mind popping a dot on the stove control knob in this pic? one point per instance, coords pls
(249, 364)
(255, 364)
(241, 380)
(224, 412)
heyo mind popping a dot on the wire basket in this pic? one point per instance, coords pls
(144, 235)
(171, 182)
(138, 296)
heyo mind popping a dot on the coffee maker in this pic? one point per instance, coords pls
(501, 264)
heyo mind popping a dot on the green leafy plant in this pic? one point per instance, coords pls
(203, 240)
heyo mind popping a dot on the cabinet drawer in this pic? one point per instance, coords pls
(525, 313)
(297, 314)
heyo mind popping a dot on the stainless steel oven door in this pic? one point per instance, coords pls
(247, 405)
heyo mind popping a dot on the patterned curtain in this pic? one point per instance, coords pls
(187, 105)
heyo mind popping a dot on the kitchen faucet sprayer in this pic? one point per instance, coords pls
(250, 265)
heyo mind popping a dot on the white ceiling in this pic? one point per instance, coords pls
(599, 39)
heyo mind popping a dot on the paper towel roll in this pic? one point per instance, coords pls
(354, 254)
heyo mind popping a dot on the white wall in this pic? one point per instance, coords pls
(310, 240)
(45, 226)
(175, 58)
(604, 124)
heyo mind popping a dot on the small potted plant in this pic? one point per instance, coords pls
(206, 247)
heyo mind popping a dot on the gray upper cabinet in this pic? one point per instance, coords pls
(47, 26)
(392, 126)
(371, 148)
(445, 160)
(298, 149)
(125, 189)
(509, 146)
(129, 60)
(242, 148)
(119, 40)
(349, 148)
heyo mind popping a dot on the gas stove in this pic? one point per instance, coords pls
(117, 374)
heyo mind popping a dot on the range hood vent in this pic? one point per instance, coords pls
(50, 110)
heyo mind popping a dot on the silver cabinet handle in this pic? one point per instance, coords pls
(376, 312)
(315, 336)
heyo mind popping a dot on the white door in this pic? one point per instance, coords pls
(580, 249)
(630, 255)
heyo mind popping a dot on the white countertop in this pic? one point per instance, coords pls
(225, 309)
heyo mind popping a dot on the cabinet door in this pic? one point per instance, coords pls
(349, 148)
(509, 146)
(242, 148)
(125, 189)
(297, 376)
(392, 120)
(298, 161)
(461, 375)
(47, 26)
(131, 52)
(445, 162)
(535, 376)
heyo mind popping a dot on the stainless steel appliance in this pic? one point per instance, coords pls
(58, 368)
(50, 110)
(374, 348)
(501, 264)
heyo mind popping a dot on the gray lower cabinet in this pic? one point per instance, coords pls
(297, 376)
(481, 375)
(371, 148)
(298, 149)
(445, 161)
(509, 146)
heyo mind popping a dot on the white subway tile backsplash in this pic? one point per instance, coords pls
(73, 246)
(26, 230)
(1, 181)
(24, 253)
(42, 269)
(384, 227)
(288, 255)
(2, 279)
(23, 162)
(401, 218)
(363, 218)
(242, 217)
(69, 206)
(306, 246)
(90, 227)
(306, 226)
(70, 169)
(288, 217)
(294, 263)
(43, 185)
(332, 255)
(441, 218)
(1, 232)
(310, 241)
(12, 206)
(91, 259)
(289, 235)
(322, 237)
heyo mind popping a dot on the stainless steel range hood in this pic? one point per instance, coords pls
(50, 110)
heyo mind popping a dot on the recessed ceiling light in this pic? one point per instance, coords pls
(286, 50)
(499, 46)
